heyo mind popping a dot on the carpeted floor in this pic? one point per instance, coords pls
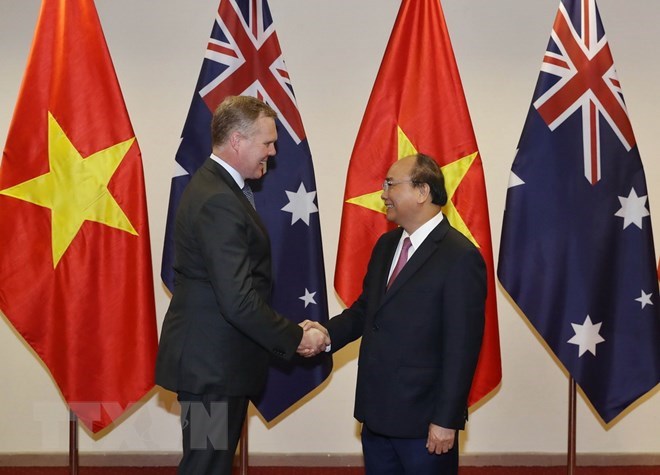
(331, 471)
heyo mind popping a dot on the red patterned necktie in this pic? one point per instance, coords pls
(403, 258)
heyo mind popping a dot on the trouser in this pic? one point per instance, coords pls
(396, 456)
(211, 426)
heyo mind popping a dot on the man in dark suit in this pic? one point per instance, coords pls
(219, 328)
(421, 318)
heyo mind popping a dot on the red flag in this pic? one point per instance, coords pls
(75, 264)
(417, 104)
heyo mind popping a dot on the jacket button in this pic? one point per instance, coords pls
(375, 328)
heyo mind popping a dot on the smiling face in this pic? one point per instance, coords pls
(402, 198)
(254, 148)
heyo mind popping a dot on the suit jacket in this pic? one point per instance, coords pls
(421, 338)
(219, 328)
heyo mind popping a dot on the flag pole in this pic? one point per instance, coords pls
(73, 443)
(243, 467)
(571, 427)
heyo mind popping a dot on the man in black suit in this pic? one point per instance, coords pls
(219, 328)
(421, 319)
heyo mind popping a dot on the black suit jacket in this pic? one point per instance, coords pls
(219, 328)
(421, 338)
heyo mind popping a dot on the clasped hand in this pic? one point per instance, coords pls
(315, 339)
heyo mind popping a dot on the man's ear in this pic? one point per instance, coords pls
(235, 140)
(423, 193)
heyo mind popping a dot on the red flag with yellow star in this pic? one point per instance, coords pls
(417, 104)
(75, 264)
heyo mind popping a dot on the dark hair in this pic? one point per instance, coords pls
(426, 170)
(237, 113)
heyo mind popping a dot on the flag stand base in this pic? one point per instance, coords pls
(73, 443)
(570, 462)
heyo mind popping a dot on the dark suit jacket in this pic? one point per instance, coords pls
(421, 338)
(219, 328)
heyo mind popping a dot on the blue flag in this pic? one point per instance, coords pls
(243, 57)
(577, 252)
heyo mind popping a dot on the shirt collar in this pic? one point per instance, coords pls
(240, 181)
(421, 233)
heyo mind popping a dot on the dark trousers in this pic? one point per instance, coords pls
(394, 456)
(211, 426)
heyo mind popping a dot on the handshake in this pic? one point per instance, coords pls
(315, 339)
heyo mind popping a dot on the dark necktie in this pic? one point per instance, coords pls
(247, 191)
(403, 258)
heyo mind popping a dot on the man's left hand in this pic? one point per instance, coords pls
(440, 440)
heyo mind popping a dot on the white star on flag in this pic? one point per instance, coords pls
(633, 209)
(179, 170)
(586, 336)
(515, 180)
(301, 204)
(645, 299)
(308, 298)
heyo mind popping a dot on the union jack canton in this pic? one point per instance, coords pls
(579, 56)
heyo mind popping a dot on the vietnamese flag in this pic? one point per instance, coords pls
(75, 264)
(418, 104)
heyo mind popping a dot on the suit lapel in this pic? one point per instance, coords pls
(218, 170)
(385, 261)
(418, 259)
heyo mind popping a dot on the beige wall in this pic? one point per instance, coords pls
(333, 49)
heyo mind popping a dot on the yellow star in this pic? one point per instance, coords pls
(453, 172)
(75, 189)
(372, 200)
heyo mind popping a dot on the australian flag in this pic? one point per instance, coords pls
(577, 252)
(243, 57)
